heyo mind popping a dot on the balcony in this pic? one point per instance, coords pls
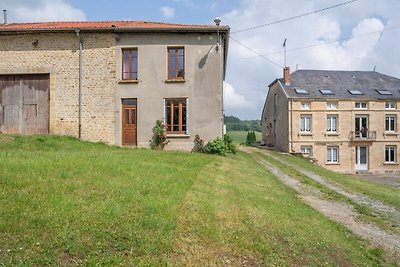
(362, 136)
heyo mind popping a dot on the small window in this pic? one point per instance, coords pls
(390, 105)
(300, 91)
(305, 105)
(331, 125)
(176, 115)
(176, 63)
(332, 154)
(331, 105)
(390, 123)
(130, 64)
(361, 105)
(305, 123)
(390, 154)
(307, 151)
(384, 92)
(327, 92)
(355, 92)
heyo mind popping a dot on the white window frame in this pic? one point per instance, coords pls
(361, 105)
(308, 150)
(332, 155)
(331, 105)
(390, 159)
(305, 105)
(390, 105)
(388, 119)
(331, 123)
(307, 123)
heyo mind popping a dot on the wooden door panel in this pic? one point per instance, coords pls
(129, 125)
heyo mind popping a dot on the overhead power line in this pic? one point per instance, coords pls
(295, 17)
(255, 52)
(319, 44)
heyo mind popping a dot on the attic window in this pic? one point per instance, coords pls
(355, 92)
(384, 92)
(301, 91)
(327, 92)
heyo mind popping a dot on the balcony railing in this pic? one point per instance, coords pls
(363, 135)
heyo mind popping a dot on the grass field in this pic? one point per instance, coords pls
(239, 137)
(65, 202)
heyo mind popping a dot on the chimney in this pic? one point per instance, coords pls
(5, 17)
(286, 75)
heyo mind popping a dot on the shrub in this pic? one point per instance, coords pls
(198, 144)
(251, 138)
(220, 146)
(159, 139)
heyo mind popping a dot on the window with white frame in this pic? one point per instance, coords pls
(390, 105)
(390, 123)
(307, 150)
(390, 154)
(305, 105)
(331, 123)
(332, 154)
(331, 105)
(305, 123)
(361, 105)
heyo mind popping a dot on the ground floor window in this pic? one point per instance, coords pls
(390, 154)
(332, 154)
(307, 150)
(176, 115)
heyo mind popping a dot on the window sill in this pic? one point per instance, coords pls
(175, 81)
(305, 134)
(178, 135)
(332, 134)
(390, 133)
(128, 81)
(391, 163)
(332, 163)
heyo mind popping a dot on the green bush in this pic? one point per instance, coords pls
(220, 146)
(251, 138)
(159, 139)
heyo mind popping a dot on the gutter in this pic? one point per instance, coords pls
(80, 85)
(291, 125)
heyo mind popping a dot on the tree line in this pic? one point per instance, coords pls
(235, 124)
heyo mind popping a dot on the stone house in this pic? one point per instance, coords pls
(110, 81)
(346, 121)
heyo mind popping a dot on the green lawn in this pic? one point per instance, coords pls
(239, 137)
(64, 202)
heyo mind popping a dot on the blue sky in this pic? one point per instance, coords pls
(373, 27)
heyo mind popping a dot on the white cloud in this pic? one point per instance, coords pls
(42, 10)
(168, 12)
(233, 99)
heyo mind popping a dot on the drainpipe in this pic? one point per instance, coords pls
(291, 125)
(80, 85)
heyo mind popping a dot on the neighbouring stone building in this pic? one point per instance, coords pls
(111, 81)
(347, 121)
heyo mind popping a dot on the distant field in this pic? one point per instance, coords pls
(70, 203)
(239, 137)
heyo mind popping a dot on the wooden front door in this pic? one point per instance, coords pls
(129, 122)
(24, 103)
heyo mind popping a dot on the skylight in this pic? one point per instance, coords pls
(355, 92)
(301, 91)
(327, 92)
(384, 92)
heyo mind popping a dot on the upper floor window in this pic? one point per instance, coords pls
(176, 63)
(390, 123)
(332, 154)
(305, 123)
(176, 115)
(331, 105)
(390, 154)
(129, 64)
(390, 105)
(331, 123)
(307, 150)
(362, 105)
(305, 105)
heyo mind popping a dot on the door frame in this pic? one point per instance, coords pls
(358, 165)
(123, 119)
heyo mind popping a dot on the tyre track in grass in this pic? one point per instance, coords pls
(343, 213)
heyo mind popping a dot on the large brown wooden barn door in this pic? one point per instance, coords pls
(24, 103)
